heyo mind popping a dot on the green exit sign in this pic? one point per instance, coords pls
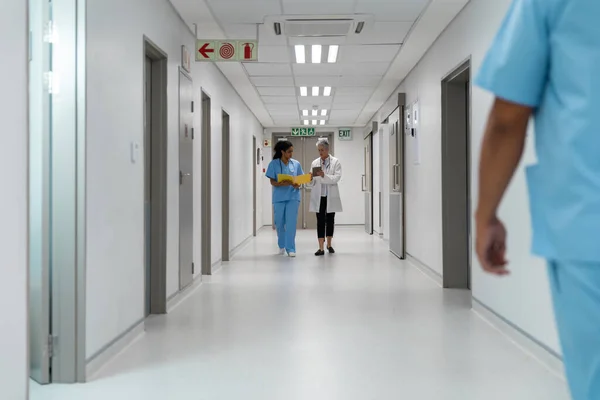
(303, 131)
(345, 134)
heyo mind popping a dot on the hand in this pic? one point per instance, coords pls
(491, 246)
(311, 176)
(285, 183)
(321, 174)
(295, 186)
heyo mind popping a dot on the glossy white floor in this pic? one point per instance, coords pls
(354, 326)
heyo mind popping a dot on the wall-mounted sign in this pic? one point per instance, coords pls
(345, 134)
(186, 59)
(230, 50)
(303, 131)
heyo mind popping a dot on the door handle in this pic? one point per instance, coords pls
(181, 175)
(362, 183)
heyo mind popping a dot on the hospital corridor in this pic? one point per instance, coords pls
(270, 200)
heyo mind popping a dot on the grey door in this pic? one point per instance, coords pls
(186, 182)
(367, 182)
(396, 217)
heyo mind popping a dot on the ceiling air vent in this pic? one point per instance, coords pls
(318, 27)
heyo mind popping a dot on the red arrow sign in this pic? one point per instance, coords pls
(204, 50)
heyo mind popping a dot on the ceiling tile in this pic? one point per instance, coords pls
(307, 103)
(320, 81)
(372, 53)
(274, 54)
(351, 99)
(280, 100)
(317, 69)
(368, 68)
(344, 114)
(240, 31)
(392, 10)
(360, 80)
(276, 91)
(243, 12)
(324, 7)
(354, 91)
(272, 80)
(268, 69)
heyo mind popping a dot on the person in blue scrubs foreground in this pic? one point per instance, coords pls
(286, 196)
(545, 63)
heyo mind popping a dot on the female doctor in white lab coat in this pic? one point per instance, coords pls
(325, 195)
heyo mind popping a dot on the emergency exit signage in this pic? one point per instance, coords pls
(227, 50)
(345, 134)
(303, 131)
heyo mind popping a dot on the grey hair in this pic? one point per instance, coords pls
(323, 142)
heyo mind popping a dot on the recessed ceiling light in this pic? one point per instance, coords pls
(327, 91)
(323, 113)
(305, 122)
(333, 54)
(300, 54)
(314, 121)
(305, 113)
(315, 91)
(316, 53)
(303, 91)
(322, 122)
(314, 113)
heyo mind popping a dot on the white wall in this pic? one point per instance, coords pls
(350, 154)
(115, 225)
(523, 298)
(14, 362)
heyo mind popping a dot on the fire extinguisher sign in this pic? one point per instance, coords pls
(230, 50)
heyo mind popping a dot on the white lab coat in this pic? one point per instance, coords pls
(333, 175)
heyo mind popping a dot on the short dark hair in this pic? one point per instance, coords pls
(280, 147)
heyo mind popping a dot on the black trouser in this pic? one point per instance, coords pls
(325, 220)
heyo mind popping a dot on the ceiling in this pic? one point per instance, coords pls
(369, 66)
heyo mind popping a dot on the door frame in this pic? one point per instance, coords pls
(159, 150)
(255, 161)
(206, 185)
(367, 184)
(225, 186)
(456, 191)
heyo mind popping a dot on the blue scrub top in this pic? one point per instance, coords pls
(284, 193)
(547, 56)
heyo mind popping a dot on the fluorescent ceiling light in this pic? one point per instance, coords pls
(333, 54)
(303, 91)
(315, 91)
(322, 122)
(305, 122)
(314, 113)
(300, 54)
(314, 121)
(327, 91)
(323, 113)
(305, 113)
(316, 53)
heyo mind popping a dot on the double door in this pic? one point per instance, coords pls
(305, 152)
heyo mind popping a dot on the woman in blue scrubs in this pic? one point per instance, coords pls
(286, 196)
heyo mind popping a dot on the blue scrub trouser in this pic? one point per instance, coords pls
(576, 296)
(286, 216)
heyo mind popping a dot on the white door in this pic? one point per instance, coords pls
(186, 181)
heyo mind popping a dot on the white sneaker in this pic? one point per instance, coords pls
(292, 255)
(282, 252)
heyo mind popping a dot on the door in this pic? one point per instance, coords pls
(396, 216)
(186, 186)
(376, 185)
(39, 197)
(148, 178)
(368, 183)
(255, 162)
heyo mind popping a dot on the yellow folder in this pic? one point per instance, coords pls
(298, 180)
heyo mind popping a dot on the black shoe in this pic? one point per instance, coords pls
(320, 253)
(331, 250)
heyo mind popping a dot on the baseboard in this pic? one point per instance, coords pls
(121, 343)
(426, 270)
(240, 247)
(178, 297)
(216, 266)
(538, 351)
